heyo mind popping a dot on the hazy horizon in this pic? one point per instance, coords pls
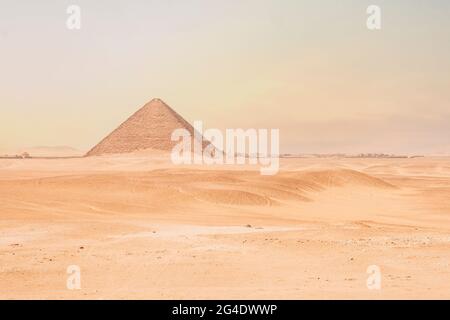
(310, 68)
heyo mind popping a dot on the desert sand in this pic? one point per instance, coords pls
(139, 227)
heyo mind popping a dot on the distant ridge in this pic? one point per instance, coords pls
(44, 151)
(150, 127)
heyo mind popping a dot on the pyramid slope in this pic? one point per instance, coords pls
(150, 127)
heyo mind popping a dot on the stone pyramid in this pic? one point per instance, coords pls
(150, 127)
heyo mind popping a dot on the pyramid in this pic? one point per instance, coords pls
(150, 127)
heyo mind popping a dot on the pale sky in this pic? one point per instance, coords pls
(310, 68)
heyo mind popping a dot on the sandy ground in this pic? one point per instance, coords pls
(140, 228)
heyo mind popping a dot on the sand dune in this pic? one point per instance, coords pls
(139, 227)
